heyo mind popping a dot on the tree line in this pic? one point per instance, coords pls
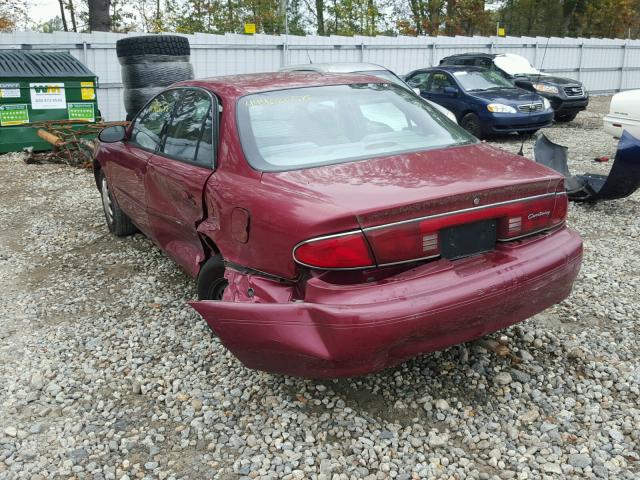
(558, 18)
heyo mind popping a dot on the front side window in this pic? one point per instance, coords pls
(187, 126)
(439, 81)
(313, 126)
(481, 80)
(147, 128)
(419, 80)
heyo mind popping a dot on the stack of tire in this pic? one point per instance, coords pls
(149, 64)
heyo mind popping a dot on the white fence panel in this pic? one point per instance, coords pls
(603, 65)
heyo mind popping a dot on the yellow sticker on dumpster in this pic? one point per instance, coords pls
(87, 91)
(13, 115)
(81, 111)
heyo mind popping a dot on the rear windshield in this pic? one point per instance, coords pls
(477, 81)
(307, 127)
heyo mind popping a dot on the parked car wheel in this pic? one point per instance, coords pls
(471, 123)
(117, 221)
(528, 133)
(211, 281)
(565, 117)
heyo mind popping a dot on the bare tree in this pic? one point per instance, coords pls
(72, 13)
(99, 17)
(63, 16)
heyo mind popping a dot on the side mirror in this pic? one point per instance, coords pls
(453, 91)
(416, 91)
(112, 134)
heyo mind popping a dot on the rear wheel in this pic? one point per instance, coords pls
(565, 117)
(471, 123)
(211, 281)
(117, 221)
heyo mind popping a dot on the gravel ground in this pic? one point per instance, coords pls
(105, 373)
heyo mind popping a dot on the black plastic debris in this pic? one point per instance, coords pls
(622, 181)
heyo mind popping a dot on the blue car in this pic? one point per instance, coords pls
(484, 102)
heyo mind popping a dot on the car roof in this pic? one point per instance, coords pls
(474, 54)
(334, 67)
(244, 84)
(452, 68)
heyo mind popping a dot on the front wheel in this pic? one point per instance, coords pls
(211, 281)
(565, 117)
(117, 221)
(471, 123)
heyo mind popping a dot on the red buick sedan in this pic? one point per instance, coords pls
(336, 224)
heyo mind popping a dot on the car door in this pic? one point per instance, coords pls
(127, 167)
(420, 80)
(439, 90)
(177, 175)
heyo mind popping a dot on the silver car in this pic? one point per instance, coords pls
(367, 68)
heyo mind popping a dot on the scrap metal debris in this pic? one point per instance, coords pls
(622, 181)
(73, 141)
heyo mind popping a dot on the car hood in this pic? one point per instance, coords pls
(507, 95)
(544, 78)
(410, 185)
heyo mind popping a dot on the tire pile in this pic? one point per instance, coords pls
(150, 63)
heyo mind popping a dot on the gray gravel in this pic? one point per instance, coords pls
(105, 373)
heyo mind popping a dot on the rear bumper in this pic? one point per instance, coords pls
(348, 330)
(518, 122)
(615, 125)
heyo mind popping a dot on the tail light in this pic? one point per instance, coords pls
(341, 251)
(420, 239)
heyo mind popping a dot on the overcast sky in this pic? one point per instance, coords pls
(41, 10)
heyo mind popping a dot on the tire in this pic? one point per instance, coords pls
(152, 45)
(117, 221)
(565, 117)
(471, 123)
(157, 74)
(528, 133)
(211, 281)
(136, 98)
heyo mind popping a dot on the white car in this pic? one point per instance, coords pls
(624, 114)
(366, 68)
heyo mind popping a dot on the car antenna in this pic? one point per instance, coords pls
(533, 97)
(309, 57)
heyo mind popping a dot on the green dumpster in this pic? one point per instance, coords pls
(38, 87)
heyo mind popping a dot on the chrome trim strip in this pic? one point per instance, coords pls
(464, 210)
(547, 229)
(408, 261)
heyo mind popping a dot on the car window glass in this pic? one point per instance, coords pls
(479, 80)
(305, 127)
(383, 117)
(204, 154)
(439, 81)
(147, 128)
(419, 80)
(184, 130)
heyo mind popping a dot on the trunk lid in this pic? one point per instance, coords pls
(400, 187)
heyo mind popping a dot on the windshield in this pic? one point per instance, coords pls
(313, 126)
(515, 65)
(476, 81)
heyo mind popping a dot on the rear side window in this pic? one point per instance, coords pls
(147, 128)
(186, 128)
